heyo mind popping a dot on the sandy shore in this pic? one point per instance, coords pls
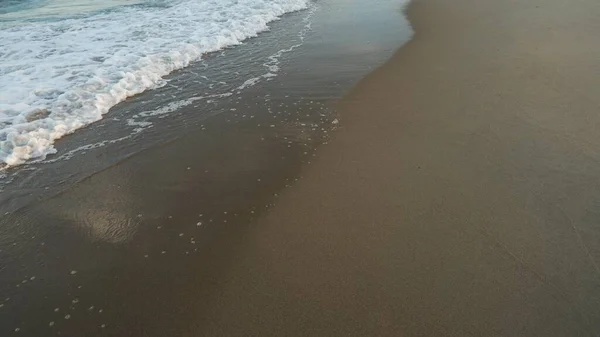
(460, 197)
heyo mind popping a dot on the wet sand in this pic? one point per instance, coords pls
(460, 197)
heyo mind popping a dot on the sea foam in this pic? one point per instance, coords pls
(59, 75)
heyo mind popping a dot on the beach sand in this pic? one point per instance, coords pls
(459, 196)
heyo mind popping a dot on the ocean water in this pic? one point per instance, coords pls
(65, 64)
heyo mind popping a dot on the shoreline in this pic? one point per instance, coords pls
(142, 246)
(459, 196)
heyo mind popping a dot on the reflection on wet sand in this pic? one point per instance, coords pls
(163, 207)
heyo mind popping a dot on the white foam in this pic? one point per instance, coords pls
(59, 76)
(272, 63)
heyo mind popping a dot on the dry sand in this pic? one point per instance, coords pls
(460, 197)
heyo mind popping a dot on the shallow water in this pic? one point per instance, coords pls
(59, 73)
(129, 212)
(296, 51)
